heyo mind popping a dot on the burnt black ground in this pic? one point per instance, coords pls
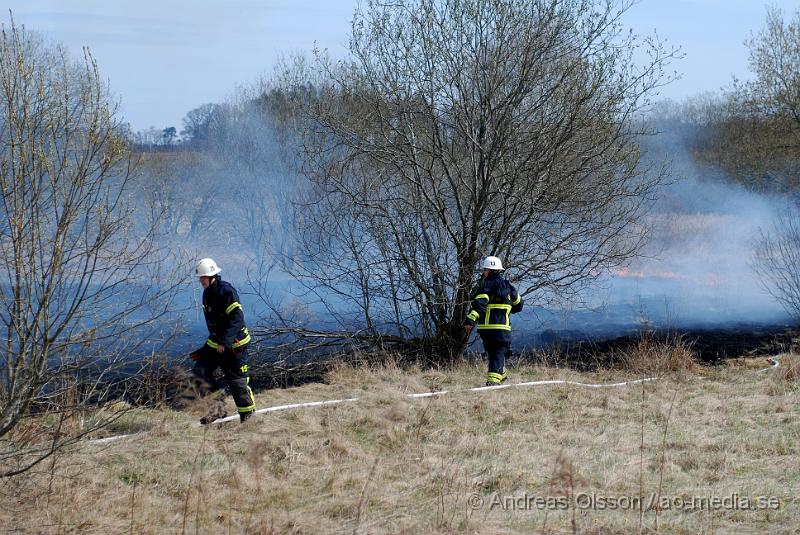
(711, 345)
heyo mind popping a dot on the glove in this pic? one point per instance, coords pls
(220, 348)
(467, 329)
(194, 355)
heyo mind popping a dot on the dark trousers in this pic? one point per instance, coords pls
(233, 363)
(497, 351)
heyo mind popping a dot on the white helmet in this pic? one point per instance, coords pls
(207, 268)
(493, 263)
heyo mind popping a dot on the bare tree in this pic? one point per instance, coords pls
(775, 61)
(81, 270)
(198, 123)
(168, 136)
(462, 128)
(147, 138)
(766, 111)
(226, 188)
(776, 260)
(180, 189)
(248, 161)
(755, 133)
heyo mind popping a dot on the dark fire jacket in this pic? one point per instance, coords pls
(224, 316)
(493, 302)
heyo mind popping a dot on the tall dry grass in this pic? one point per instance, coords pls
(393, 464)
(659, 355)
(786, 377)
(790, 371)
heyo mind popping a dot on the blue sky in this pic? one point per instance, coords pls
(166, 57)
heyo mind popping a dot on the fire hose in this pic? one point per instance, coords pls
(773, 363)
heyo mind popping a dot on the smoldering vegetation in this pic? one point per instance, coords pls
(233, 189)
(700, 266)
(225, 189)
(293, 187)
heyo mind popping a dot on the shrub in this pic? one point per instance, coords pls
(657, 355)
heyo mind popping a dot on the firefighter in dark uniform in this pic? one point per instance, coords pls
(493, 302)
(226, 347)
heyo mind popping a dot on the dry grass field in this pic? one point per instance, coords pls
(700, 450)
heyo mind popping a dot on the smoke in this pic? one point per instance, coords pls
(697, 269)
(230, 199)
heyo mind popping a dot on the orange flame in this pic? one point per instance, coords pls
(642, 274)
(710, 279)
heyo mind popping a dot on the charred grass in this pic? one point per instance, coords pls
(465, 462)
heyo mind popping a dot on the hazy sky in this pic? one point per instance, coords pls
(166, 57)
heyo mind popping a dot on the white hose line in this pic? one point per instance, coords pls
(114, 438)
(437, 393)
(772, 361)
(288, 407)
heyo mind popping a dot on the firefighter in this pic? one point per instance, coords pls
(226, 347)
(493, 301)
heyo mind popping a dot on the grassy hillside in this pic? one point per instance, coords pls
(466, 462)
